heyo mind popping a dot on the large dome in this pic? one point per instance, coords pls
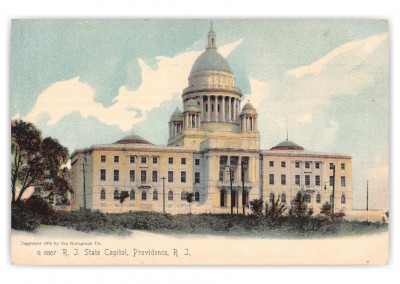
(210, 60)
(132, 139)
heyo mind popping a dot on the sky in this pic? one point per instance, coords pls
(325, 82)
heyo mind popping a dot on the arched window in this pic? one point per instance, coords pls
(183, 195)
(170, 195)
(103, 194)
(155, 195)
(144, 195)
(245, 201)
(132, 195)
(271, 197)
(223, 198)
(318, 198)
(331, 199)
(116, 194)
(308, 198)
(283, 198)
(343, 199)
(197, 196)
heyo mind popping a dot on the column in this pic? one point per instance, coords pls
(234, 110)
(209, 109)
(230, 110)
(216, 108)
(170, 130)
(187, 121)
(223, 109)
(199, 120)
(202, 108)
(195, 121)
(255, 124)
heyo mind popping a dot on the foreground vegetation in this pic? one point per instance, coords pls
(25, 218)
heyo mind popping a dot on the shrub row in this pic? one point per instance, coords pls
(285, 226)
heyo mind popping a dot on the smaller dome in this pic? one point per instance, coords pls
(192, 105)
(248, 106)
(248, 109)
(177, 114)
(287, 145)
(132, 139)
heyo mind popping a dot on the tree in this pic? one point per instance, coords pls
(326, 209)
(299, 206)
(37, 162)
(256, 206)
(276, 209)
(189, 199)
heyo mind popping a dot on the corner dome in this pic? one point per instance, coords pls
(176, 115)
(287, 145)
(132, 139)
(210, 60)
(248, 106)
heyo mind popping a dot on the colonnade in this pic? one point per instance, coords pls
(192, 120)
(175, 128)
(220, 108)
(248, 123)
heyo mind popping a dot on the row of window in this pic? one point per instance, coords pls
(307, 198)
(307, 165)
(132, 195)
(307, 180)
(143, 160)
(143, 175)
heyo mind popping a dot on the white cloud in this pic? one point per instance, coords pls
(258, 92)
(301, 100)
(363, 48)
(158, 85)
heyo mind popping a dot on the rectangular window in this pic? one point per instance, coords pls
(183, 161)
(143, 176)
(307, 165)
(283, 179)
(331, 180)
(331, 166)
(342, 166)
(183, 176)
(170, 176)
(116, 175)
(103, 159)
(132, 175)
(155, 160)
(132, 159)
(143, 160)
(283, 164)
(271, 164)
(102, 174)
(317, 165)
(317, 180)
(116, 159)
(196, 177)
(297, 164)
(297, 179)
(155, 176)
(271, 179)
(307, 180)
(343, 181)
(197, 162)
(221, 175)
(170, 160)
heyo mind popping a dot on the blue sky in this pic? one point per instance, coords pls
(326, 81)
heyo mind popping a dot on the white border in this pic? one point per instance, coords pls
(385, 9)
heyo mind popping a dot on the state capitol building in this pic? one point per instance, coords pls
(213, 152)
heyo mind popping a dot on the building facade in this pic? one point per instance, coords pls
(213, 152)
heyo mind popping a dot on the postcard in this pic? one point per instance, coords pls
(200, 142)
